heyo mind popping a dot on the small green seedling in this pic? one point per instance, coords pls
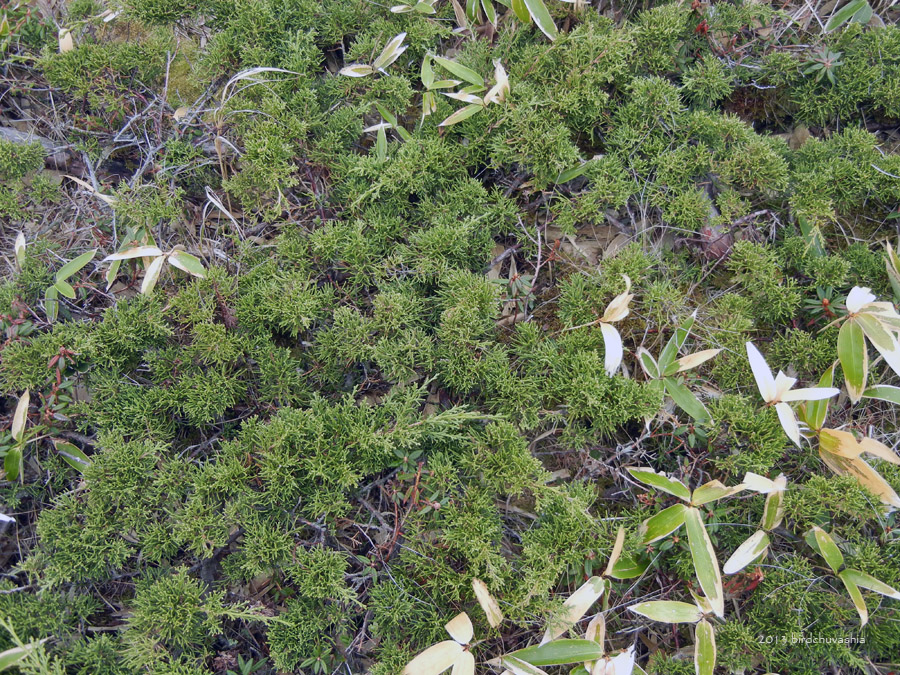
(776, 391)
(866, 319)
(663, 373)
(823, 544)
(670, 611)
(12, 463)
(496, 94)
(389, 54)
(671, 519)
(154, 259)
(62, 286)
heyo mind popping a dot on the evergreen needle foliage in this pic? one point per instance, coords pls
(338, 336)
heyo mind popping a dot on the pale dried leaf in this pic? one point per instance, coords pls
(20, 416)
(460, 628)
(487, 602)
(434, 660)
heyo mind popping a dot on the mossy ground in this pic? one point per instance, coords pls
(391, 380)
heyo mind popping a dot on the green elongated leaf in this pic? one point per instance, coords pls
(391, 52)
(668, 611)
(12, 463)
(542, 18)
(580, 670)
(429, 103)
(392, 119)
(713, 491)
(427, 75)
(65, 289)
(462, 114)
(187, 263)
(705, 563)
(560, 652)
(489, 12)
(381, 144)
(822, 542)
(675, 343)
(883, 392)
(869, 582)
(112, 272)
(521, 11)
(773, 511)
(856, 596)
(815, 412)
(424, 8)
(873, 329)
(648, 476)
(844, 14)
(705, 649)
(51, 303)
(572, 173)
(663, 523)
(864, 15)
(13, 656)
(648, 363)
(72, 455)
(446, 84)
(684, 398)
(386, 114)
(894, 277)
(357, 70)
(75, 265)
(461, 71)
(854, 358)
(627, 568)
(472, 10)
